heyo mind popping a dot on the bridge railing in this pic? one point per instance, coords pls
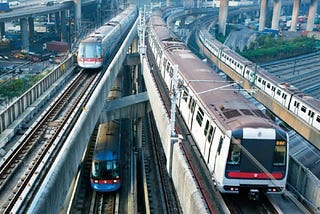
(15, 116)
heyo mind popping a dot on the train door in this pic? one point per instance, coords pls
(221, 157)
(191, 107)
(294, 107)
(310, 116)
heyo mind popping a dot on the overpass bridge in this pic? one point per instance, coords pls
(66, 14)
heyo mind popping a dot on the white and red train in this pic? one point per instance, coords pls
(242, 148)
(305, 107)
(98, 46)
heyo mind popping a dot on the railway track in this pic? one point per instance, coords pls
(165, 185)
(25, 166)
(103, 203)
(302, 72)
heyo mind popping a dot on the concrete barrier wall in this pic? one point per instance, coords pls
(188, 193)
(302, 182)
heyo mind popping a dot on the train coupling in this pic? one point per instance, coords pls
(253, 194)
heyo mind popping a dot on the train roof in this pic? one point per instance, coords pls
(221, 99)
(159, 25)
(227, 105)
(107, 141)
(107, 27)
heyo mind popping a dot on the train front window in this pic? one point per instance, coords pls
(92, 50)
(105, 170)
(279, 158)
(234, 154)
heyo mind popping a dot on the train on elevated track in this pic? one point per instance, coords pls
(106, 169)
(95, 49)
(243, 149)
(305, 107)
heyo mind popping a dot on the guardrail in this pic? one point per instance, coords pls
(15, 115)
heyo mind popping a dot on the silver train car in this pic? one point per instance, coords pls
(98, 46)
(243, 149)
(305, 107)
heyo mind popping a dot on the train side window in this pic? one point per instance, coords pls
(205, 131)
(164, 62)
(190, 101)
(185, 96)
(168, 67)
(318, 119)
(171, 72)
(303, 109)
(268, 85)
(284, 96)
(247, 71)
(259, 79)
(263, 82)
(234, 154)
(278, 92)
(192, 105)
(296, 104)
(220, 145)
(209, 137)
(311, 114)
(279, 158)
(200, 115)
(273, 89)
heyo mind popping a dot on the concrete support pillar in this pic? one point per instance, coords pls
(263, 14)
(295, 13)
(276, 14)
(31, 29)
(57, 23)
(24, 34)
(2, 29)
(77, 4)
(223, 15)
(312, 14)
(64, 32)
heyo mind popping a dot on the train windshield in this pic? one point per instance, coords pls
(234, 154)
(105, 170)
(279, 158)
(90, 50)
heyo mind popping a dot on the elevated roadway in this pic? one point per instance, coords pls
(34, 10)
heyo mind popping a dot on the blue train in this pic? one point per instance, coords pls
(105, 173)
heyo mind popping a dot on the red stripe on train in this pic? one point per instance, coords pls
(92, 59)
(105, 181)
(255, 175)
